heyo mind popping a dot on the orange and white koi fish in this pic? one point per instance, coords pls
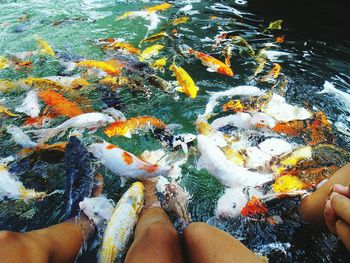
(60, 104)
(185, 81)
(213, 64)
(111, 67)
(125, 164)
(126, 128)
(150, 52)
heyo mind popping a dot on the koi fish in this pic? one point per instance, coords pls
(228, 55)
(126, 128)
(151, 16)
(185, 81)
(313, 131)
(155, 37)
(4, 63)
(180, 20)
(7, 85)
(213, 64)
(46, 49)
(20, 137)
(330, 89)
(30, 106)
(59, 104)
(254, 103)
(121, 225)
(12, 188)
(150, 52)
(125, 164)
(7, 111)
(79, 175)
(42, 84)
(90, 120)
(287, 183)
(160, 64)
(123, 46)
(174, 141)
(114, 82)
(160, 7)
(272, 75)
(240, 41)
(254, 207)
(111, 67)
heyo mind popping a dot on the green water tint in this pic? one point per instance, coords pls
(72, 27)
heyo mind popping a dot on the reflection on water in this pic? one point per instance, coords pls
(72, 28)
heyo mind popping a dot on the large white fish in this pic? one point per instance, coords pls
(343, 96)
(215, 162)
(90, 120)
(236, 91)
(30, 105)
(20, 137)
(12, 188)
(121, 226)
(125, 164)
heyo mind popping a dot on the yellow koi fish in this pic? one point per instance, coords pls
(287, 183)
(121, 226)
(185, 81)
(180, 20)
(6, 85)
(160, 64)
(212, 63)
(123, 46)
(150, 52)
(4, 63)
(7, 111)
(42, 84)
(240, 41)
(155, 37)
(111, 67)
(160, 7)
(46, 49)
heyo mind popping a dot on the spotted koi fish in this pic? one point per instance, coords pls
(60, 104)
(185, 81)
(125, 164)
(128, 127)
(213, 64)
(121, 225)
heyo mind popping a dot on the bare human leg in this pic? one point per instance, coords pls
(155, 240)
(206, 244)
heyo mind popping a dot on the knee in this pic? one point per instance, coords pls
(7, 237)
(193, 233)
(161, 232)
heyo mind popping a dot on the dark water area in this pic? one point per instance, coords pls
(315, 49)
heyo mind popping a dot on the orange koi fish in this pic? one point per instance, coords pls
(313, 131)
(160, 7)
(254, 207)
(126, 128)
(212, 63)
(111, 67)
(60, 104)
(123, 46)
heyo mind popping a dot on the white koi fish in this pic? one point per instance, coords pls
(20, 137)
(121, 226)
(90, 120)
(30, 106)
(343, 96)
(215, 162)
(125, 164)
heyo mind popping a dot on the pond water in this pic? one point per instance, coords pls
(72, 28)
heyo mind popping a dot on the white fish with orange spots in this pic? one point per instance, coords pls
(125, 164)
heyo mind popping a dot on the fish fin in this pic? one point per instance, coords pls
(179, 89)
(123, 181)
(128, 135)
(327, 87)
(210, 70)
(184, 147)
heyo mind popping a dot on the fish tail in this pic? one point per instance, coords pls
(327, 87)
(187, 49)
(44, 135)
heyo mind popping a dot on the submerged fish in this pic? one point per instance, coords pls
(4, 63)
(160, 7)
(90, 120)
(121, 226)
(155, 37)
(59, 104)
(343, 96)
(254, 207)
(20, 137)
(123, 46)
(272, 75)
(79, 175)
(213, 64)
(125, 164)
(126, 128)
(45, 47)
(111, 67)
(180, 20)
(30, 105)
(150, 52)
(185, 81)
(42, 84)
(241, 42)
(160, 64)
(7, 111)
